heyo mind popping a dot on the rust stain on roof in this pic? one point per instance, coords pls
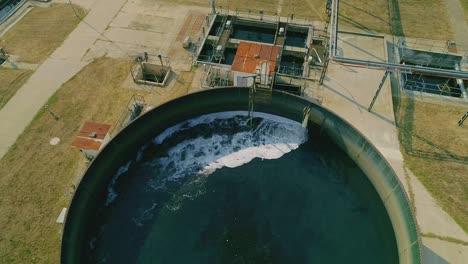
(91, 136)
(250, 56)
(86, 143)
(90, 128)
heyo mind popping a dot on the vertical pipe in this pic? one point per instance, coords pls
(213, 8)
(334, 28)
(461, 84)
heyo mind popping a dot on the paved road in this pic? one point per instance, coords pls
(63, 64)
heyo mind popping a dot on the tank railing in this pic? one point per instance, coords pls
(217, 77)
(148, 58)
(314, 76)
(439, 63)
(272, 17)
(387, 66)
(418, 85)
(294, 71)
(204, 58)
(220, 34)
(10, 12)
(435, 46)
(198, 45)
(133, 109)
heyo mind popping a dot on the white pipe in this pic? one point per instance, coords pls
(316, 53)
(461, 84)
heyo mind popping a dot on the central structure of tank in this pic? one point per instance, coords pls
(202, 180)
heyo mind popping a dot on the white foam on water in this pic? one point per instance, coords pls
(271, 139)
(111, 192)
(206, 119)
(244, 156)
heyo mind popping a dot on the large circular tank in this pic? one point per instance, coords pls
(321, 195)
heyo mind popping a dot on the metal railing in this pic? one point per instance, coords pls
(436, 46)
(273, 17)
(133, 109)
(291, 71)
(9, 7)
(419, 84)
(387, 66)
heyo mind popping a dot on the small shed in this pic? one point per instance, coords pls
(91, 138)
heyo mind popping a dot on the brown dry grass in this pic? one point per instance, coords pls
(435, 149)
(425, 19)
(181, 86)
(312, 10)
(370, 15)
(40, 32)
(268, 6)
(465, 8)
(10, 82)
(36, 177)
(410, 18)
(309, 9)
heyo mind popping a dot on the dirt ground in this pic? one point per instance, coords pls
(40, 32)
(10, 82)
(435, 149)
(37, 177)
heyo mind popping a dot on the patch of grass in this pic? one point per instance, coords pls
(267, 6)
(182, 86)
(398, 17)
(369, 15)
(435, 149)
(312, 10)
(10, 82)
(36, 177)
(464, 3)
(40, 32)
(425, 19)
(305, 9)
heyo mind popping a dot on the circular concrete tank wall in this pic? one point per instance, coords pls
(93, 192)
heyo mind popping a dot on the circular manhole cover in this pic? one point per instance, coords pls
(54, 141)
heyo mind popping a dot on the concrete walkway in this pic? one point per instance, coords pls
(63, 64)
(458, 21)
(348, 92)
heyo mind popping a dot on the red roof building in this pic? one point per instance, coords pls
(91, 138)
(250, 56)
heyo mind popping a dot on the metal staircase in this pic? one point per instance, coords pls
(219, 46)
(260, 92)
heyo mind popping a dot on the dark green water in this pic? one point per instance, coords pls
(311, 205)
